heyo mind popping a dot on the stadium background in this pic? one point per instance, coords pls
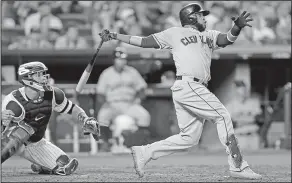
(261, 57)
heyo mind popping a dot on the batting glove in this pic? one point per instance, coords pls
(91, 126)
(242, 20)
(106, 35)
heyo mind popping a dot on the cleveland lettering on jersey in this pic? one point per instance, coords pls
(193, 39)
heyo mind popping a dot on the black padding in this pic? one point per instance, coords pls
(15, 108)
(59, 96)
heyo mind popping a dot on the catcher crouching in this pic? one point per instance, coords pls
(25, 116)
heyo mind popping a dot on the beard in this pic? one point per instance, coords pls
(201, 27)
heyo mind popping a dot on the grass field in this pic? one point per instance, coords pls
(275, 166)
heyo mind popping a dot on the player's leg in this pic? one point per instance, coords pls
(140, 114)
(190, 132)
(48, 158)
(106, 114)
(142, 118)
(202, 102)
(12, 139)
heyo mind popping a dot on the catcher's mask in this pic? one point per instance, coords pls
(188, 10)
(34, 75)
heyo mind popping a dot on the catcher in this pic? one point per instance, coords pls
(25, 116)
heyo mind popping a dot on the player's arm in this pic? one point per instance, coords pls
(143, 42)
(64, 105)
(11, 111)
(101, 88)
(160, 40)
(230, 37)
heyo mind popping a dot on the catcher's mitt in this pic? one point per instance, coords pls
(91, 126)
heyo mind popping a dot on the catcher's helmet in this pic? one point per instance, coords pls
(39, 70)
(185, 12)
(120, 52)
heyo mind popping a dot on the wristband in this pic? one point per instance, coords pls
(114, 35)
(82, 117)
(135, 40)
(231, 37)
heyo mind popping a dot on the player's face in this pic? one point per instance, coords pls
(201, 22)
(41, 77)
(120, 63)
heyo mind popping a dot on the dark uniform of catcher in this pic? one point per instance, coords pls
(25, 116)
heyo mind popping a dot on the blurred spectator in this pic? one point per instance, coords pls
(34, 40)
(42, 20)
(271, 25)
(244, 109)
(8, 14)
(129, 23)
(122, 95)
(71, 40)
(103, 18)
(283, 28)
(216, 15)
(167, 79)
(52, 35)
(63, 7)
(261, 34)
(23, 10)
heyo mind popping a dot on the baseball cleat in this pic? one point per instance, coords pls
(71, 166)
(246, 173)
(139, 161)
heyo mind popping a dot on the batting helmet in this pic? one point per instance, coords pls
(120, 52)
(185, 12)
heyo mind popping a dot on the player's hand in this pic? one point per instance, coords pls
(91, 126)
(7, 117)
(106, 35)
(242, 20)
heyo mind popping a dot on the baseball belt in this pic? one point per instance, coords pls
(192, 78)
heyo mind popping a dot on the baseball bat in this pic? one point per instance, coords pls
(86, 73)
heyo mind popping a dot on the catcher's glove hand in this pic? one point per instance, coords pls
(242, 20)
(106, 35)
(91, 126)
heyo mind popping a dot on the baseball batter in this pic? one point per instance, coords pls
(25, 116)
(192, 46)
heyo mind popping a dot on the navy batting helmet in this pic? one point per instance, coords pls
(120, 52)
(185, 12)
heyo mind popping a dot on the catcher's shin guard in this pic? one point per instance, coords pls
(13, 138)
(234, 151)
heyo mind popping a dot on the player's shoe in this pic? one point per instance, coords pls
(246, 173)
(71, 166)
(138, 154)
(67, 170)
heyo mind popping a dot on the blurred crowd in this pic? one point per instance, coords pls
(57, 24)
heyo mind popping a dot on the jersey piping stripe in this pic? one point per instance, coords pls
(213, 109)
(157, 41)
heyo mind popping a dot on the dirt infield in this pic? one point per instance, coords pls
(195, 167)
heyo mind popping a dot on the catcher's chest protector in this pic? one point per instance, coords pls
(37, 113)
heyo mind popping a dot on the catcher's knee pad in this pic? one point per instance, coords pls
(234, 150)
(12, 139)
(65, 165)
